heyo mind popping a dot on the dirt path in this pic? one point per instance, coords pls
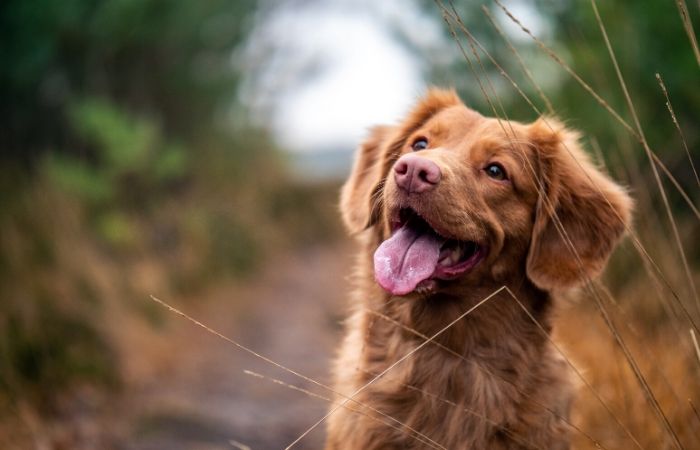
(290, 313)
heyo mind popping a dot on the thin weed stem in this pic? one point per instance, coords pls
(695, 343)
(270, 361)
(640, 377)
(678, 127)
(487, 372)
(688, 25)
(600, 101)
(578, 373)
(550, 210)
(521, 62)
(385, 371)
(633, 235)
(418, 436)
(648, 151)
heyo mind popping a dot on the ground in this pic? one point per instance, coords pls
(201, 398)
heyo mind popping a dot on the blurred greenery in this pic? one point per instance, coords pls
(123, 145)
(131, 167)
(168, 59)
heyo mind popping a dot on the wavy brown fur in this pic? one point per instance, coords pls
(491, 381)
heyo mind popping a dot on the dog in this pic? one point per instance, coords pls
(451, 208)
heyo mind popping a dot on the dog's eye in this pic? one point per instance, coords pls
(420, 144)
(496, 171)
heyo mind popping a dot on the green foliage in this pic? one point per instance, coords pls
(78, 178)
(648, 37)
(169, 58)
(105, 104)
(123, 143)
(132, 167)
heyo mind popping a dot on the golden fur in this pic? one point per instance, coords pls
(492, 381)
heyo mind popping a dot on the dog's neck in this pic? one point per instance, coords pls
(487, 316)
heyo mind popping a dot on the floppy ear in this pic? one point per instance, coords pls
(356, 205)
(359, 202)
(592, 211)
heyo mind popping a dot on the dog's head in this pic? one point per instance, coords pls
(456, 198)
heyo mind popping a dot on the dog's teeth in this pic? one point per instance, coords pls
(451, 257)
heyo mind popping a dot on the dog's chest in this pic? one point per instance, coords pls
(454, 400)
(485, 396)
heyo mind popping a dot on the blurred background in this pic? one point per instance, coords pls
(193, 150)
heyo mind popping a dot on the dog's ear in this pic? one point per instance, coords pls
(356, 197)
(359, 197)
(581, 213)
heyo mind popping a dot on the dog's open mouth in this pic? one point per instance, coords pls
(415, 255)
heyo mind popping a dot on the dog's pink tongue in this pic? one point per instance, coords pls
(405, 259)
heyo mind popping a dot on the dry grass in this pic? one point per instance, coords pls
(669, 370)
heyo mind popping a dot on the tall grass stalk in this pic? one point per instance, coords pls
(280, 366)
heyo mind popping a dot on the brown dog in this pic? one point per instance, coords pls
(450, 206)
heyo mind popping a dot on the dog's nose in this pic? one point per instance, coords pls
(414, 173)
